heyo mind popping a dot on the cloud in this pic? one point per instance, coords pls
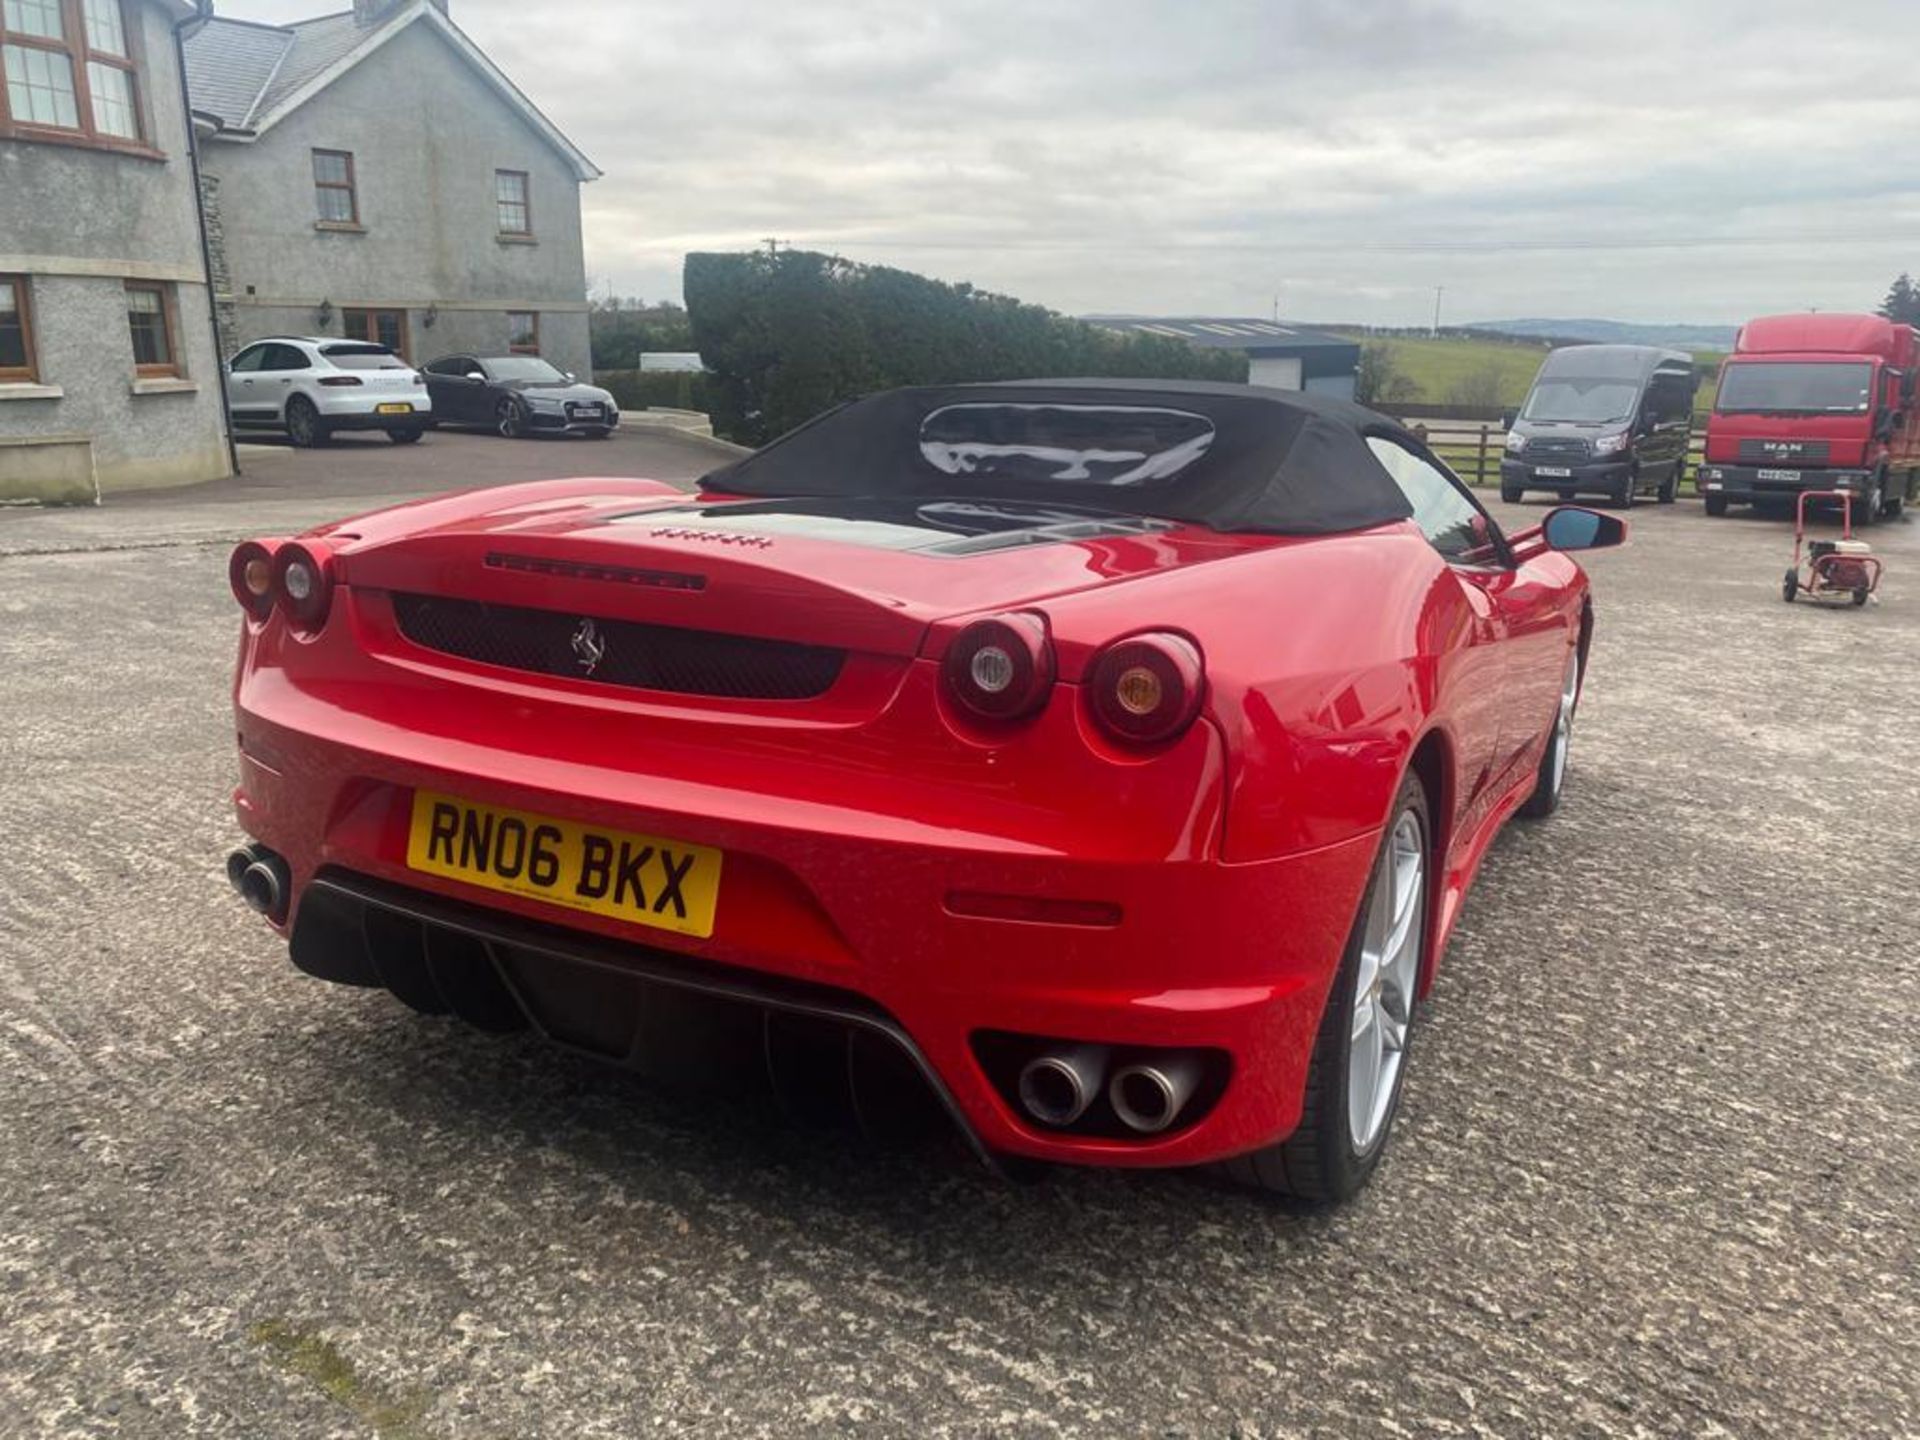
(1641, 160)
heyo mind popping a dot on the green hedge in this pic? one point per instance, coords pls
(668, 390)
(788, 336)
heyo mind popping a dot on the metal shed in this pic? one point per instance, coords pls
(1285, 357)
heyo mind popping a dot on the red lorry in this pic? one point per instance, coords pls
(1816, 402)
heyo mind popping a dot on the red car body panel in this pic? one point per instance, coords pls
(1233, 858)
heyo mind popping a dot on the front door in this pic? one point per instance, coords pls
(261, 382)
(378, 327)
(1481, 682)
(247, 396)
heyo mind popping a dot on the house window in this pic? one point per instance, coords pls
(523, 332)
(512, 200)
(16, 330)
(68, 70)
(150, 318)
(36, 17)
(106, 31)
(333, 188)
(377, 327)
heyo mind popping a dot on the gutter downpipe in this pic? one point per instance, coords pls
(203, 12)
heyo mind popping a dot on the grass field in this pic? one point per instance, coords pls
(1439, 368)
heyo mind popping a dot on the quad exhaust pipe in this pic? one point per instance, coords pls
(261, 878)
(1149, 1097)
(1057, 1087)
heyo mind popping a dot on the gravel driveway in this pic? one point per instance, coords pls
(1655, 1172)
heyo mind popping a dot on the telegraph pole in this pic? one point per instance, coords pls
(1438, 291)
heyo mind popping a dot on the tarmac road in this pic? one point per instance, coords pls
(1655, 1172)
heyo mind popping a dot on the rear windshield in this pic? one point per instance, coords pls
(1087, 444)
(1792, 388)
(363, 357)
(1592, 402)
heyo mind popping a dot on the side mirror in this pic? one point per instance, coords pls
(1508, 418)
(1572, 528)
(571, 377)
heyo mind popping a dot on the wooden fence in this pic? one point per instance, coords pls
(1474, 451)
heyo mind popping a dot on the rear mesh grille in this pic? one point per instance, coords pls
(644, 657)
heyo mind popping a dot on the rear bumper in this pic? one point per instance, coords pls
(418, 418)
(623, 1003)
(1234, 958)
(1592, 477)
(1746, 483)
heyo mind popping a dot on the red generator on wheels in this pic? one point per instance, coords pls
(1843, 569)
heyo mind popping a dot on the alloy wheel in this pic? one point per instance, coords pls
(508, 418)
(1384, 988)
(1563, 722)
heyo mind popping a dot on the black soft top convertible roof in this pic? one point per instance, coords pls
(1231, 457)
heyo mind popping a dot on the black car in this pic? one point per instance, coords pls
(1613, 420)
(517, 395)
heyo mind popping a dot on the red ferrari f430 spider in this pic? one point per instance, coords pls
(1112, 757)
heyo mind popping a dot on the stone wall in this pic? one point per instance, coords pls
(223, 307)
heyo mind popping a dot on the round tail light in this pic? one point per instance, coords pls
(303, 584)
(1000, 669)
(250, 573)
(1146, 689)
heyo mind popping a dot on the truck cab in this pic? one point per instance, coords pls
(1816, 402)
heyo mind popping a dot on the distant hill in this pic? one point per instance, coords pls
(1616, 332)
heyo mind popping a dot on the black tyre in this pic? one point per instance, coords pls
(1369, 1016)
(305, 428)
(1790, 587)
(1512, 494)
(1629, 490)
(1669, 490)
(1860, 595)
(1716, 505)
(405, 437)
(510, 418)
(1551, 780)
(1867, 508)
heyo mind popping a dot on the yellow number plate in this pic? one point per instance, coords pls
(642, 879)
(395, 409)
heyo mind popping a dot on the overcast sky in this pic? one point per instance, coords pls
(1687, 160)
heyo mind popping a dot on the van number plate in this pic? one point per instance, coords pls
(1553, 472)
(1788, 475)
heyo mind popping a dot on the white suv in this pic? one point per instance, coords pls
(312, 386)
